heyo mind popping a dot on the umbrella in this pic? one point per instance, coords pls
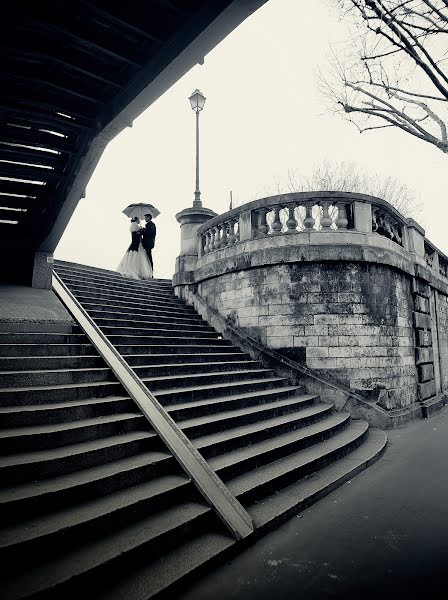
(140, 210)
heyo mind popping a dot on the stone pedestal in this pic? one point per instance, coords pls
(362, 213)
(190, 220)
(416, 238)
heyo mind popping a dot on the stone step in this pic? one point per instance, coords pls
(55, 435)
(11, 379)
(197, 392)
(111, 293)
(179, 382)
(134, 326)
(216, 346)
(19, 396)
(91, 303)
(36, 498)
(165, 340)
(278, 507)
(114, 551)
(45, 350)
(171, 571)
(159, 330)
(116, 282)
(103, 317)
(255, 485)
(250, 425)
(41, 464)
(211, 406)
(42, 338)
(268, 449)
(29, 363)
(101, 275)
(58, 412)
(172, 359)
(176, 369)
(73, 526)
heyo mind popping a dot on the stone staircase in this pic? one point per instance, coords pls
(91, 499)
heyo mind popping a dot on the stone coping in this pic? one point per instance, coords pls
(318, 246)
(271, 201)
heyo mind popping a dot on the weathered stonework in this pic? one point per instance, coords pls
(352, 319)
(362, 298)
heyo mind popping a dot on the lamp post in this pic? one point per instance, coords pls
(197, 101)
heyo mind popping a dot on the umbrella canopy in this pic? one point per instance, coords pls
(140, 210)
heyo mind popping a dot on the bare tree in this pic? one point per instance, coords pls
(348, 177)
(395, 71)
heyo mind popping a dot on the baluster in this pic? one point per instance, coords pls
(207, 242)
(218, 237)
(308, 221)
(325, 220)
(341, 221)
(300, 218)
(277, 224)
(225, 238)
(232, 236)
(212, 239)
(237, 231)
(291, 223)
(263, 226)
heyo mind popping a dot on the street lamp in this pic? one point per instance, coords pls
(197, 101)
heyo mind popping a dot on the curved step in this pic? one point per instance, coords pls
(84, 519)
(31, 466)
(278, 507)
(38, 394)
(236, 417)
(54, 435)
(58, 412)
(260, 424)
(48, 494)
(197, 392)
(149, 536)
(257, 484)
(210, 406)
(245, 458)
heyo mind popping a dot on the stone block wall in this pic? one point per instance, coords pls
(441, 319)
(352, 319)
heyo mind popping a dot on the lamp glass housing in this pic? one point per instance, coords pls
(197, 100)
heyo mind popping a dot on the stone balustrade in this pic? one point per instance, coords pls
(303, 212)
(318, 212)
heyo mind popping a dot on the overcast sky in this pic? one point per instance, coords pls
(263, 116)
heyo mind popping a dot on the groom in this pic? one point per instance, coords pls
(149, 237)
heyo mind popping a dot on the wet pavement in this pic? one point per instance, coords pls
(384, 534)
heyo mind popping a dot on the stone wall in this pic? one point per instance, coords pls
(360, 296)
(441, 317)
(351, 319)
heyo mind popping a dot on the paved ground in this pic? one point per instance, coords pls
(19, 303)
(382, 535)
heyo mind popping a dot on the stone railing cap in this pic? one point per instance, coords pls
(271, 201)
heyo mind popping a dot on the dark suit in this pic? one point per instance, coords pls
(148, 240)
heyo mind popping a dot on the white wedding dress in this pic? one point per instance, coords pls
(135, 263)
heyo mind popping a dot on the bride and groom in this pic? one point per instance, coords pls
(137, 262)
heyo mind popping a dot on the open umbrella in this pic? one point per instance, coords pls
(140, 210)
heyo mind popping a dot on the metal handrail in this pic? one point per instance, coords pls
(212, 488)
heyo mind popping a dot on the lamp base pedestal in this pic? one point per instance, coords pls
(190, 219)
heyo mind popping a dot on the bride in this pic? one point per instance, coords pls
(135, 263)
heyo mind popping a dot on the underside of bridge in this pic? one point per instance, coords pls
(73, 75)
